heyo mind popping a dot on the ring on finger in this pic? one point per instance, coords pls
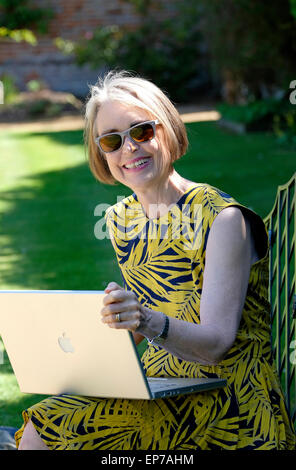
(117, 316)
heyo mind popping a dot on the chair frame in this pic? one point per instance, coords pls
(281, 226)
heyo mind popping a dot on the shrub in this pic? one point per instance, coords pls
(275, 115)
(22, 14)
(252, 44)
(10, 90)
(166, 51)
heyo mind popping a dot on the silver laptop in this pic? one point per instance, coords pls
(56, 344)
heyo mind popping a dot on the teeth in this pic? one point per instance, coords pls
(138, 163)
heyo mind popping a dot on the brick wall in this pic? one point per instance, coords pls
(72, 20)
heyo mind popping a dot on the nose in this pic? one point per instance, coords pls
(129, 145)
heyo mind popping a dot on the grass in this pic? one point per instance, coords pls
(47, 203)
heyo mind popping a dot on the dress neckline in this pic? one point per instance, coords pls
(171, 207)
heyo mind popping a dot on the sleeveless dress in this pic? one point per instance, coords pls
(162, 260)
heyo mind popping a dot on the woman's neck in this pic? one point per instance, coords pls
(156, 200)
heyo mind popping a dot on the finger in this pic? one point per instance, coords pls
(128, 305)
(116, 307)
(115, 296)
(122, 316)
(118, 318)
(127, 322)
(121, 295)
(113, 286)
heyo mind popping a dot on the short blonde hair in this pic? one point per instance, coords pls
(138, 92)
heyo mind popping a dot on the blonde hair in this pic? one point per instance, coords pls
(137, 92)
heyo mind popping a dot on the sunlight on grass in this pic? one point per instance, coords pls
(26, 155)
(10, 390)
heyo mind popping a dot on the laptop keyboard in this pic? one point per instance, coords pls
(157, 383)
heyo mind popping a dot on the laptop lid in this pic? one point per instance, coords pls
(56, 343)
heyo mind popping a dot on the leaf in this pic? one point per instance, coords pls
(19, 35)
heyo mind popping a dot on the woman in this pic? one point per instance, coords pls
(198, 295)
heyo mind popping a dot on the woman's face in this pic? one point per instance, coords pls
(115, 116)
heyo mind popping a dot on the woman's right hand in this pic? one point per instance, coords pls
(123, 310)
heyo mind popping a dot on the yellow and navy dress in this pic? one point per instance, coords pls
(162, 260)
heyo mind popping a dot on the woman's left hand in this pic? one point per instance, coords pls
(122, 310)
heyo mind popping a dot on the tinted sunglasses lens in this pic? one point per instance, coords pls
(109, 143)
(142, 133)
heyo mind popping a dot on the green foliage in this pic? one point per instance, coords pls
(101, 49)
(38, 108)
(275, 115)
(284, 127)
(253, 112)
(252, 45)
(43, 108)
(35, 85)
(293, 7)
(142, 7)
(22, 14)
(166, 51)
(10, 90)
(65, 45)
(18, 35)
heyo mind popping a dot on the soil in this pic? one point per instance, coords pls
(70, 116)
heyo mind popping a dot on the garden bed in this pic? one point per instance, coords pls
(42, 104)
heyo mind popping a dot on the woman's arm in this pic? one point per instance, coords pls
(227, 269)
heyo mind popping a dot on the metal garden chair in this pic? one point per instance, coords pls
(281, 223)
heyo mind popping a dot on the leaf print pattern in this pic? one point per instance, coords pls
(162, 260)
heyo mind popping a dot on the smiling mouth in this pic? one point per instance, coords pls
(137, 164)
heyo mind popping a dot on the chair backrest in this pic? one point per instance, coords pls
(281, 222)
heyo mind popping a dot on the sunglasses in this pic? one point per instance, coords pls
(142, 132)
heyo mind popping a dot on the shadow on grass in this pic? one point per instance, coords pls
(47, 233)
(68, 138)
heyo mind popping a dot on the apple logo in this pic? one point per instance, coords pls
(65, 344)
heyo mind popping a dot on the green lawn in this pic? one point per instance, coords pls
(48, 198)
